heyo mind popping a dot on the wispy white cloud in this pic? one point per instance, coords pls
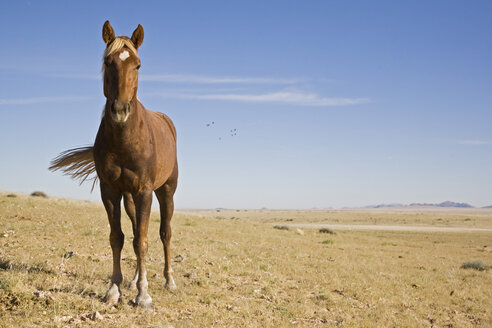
(475, 142)
(202, 79)
(194, 79)
(231, 87)
(77, 76)
(40, 100)
(293, 98)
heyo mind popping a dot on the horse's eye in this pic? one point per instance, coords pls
(138, 66)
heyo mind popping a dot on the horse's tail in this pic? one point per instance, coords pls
(78, 163)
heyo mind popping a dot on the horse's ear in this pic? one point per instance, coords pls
(108, 32)
(137, 36)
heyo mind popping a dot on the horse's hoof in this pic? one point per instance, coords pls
(144, 302)
(170, 285)
(133, 285)
(112, 296)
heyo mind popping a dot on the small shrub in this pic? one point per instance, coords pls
(189, 223)
(12, 195)
(326, 230)
(476, 265)
(327, 242)
(205, 300)
(39, 194)
(6, 285)
(322, 297)
(281, 227)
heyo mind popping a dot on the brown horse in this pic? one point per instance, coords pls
(133, 155)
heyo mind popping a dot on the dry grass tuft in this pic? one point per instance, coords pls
(326, 230)
(476, 265)
(281, 227)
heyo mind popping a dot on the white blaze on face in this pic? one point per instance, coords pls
(124, 55)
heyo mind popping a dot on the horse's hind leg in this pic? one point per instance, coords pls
(112, 200)
(130, 210)
(165, 196)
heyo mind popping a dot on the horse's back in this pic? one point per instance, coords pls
(165, 121)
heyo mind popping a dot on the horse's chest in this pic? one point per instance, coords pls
(122, 175)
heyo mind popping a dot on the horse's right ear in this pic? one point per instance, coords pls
(108, 32)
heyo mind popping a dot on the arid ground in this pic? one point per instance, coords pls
(249, 268)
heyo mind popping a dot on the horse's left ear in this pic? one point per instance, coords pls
(137, 36)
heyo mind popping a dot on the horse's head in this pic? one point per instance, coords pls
(120, 71)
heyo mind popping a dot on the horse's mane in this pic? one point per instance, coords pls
(118, 44)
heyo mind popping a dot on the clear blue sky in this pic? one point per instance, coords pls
(336, 103)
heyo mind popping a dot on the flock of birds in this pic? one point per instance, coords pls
(232, 132)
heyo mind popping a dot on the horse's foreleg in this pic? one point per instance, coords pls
(143, 203)
(131, 211)
(111, 200)
(165, 196)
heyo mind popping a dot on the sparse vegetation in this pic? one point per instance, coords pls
(476, 265)
(239, 271)
(450, 217)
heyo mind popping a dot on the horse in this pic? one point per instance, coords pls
(134, 154)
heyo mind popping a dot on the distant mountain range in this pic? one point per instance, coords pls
(443, 204)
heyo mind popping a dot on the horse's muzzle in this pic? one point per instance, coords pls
(120, 111)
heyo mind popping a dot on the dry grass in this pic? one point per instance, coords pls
(240, 272)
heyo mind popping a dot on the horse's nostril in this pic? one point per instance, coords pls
(119, 106)
(120, 111)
